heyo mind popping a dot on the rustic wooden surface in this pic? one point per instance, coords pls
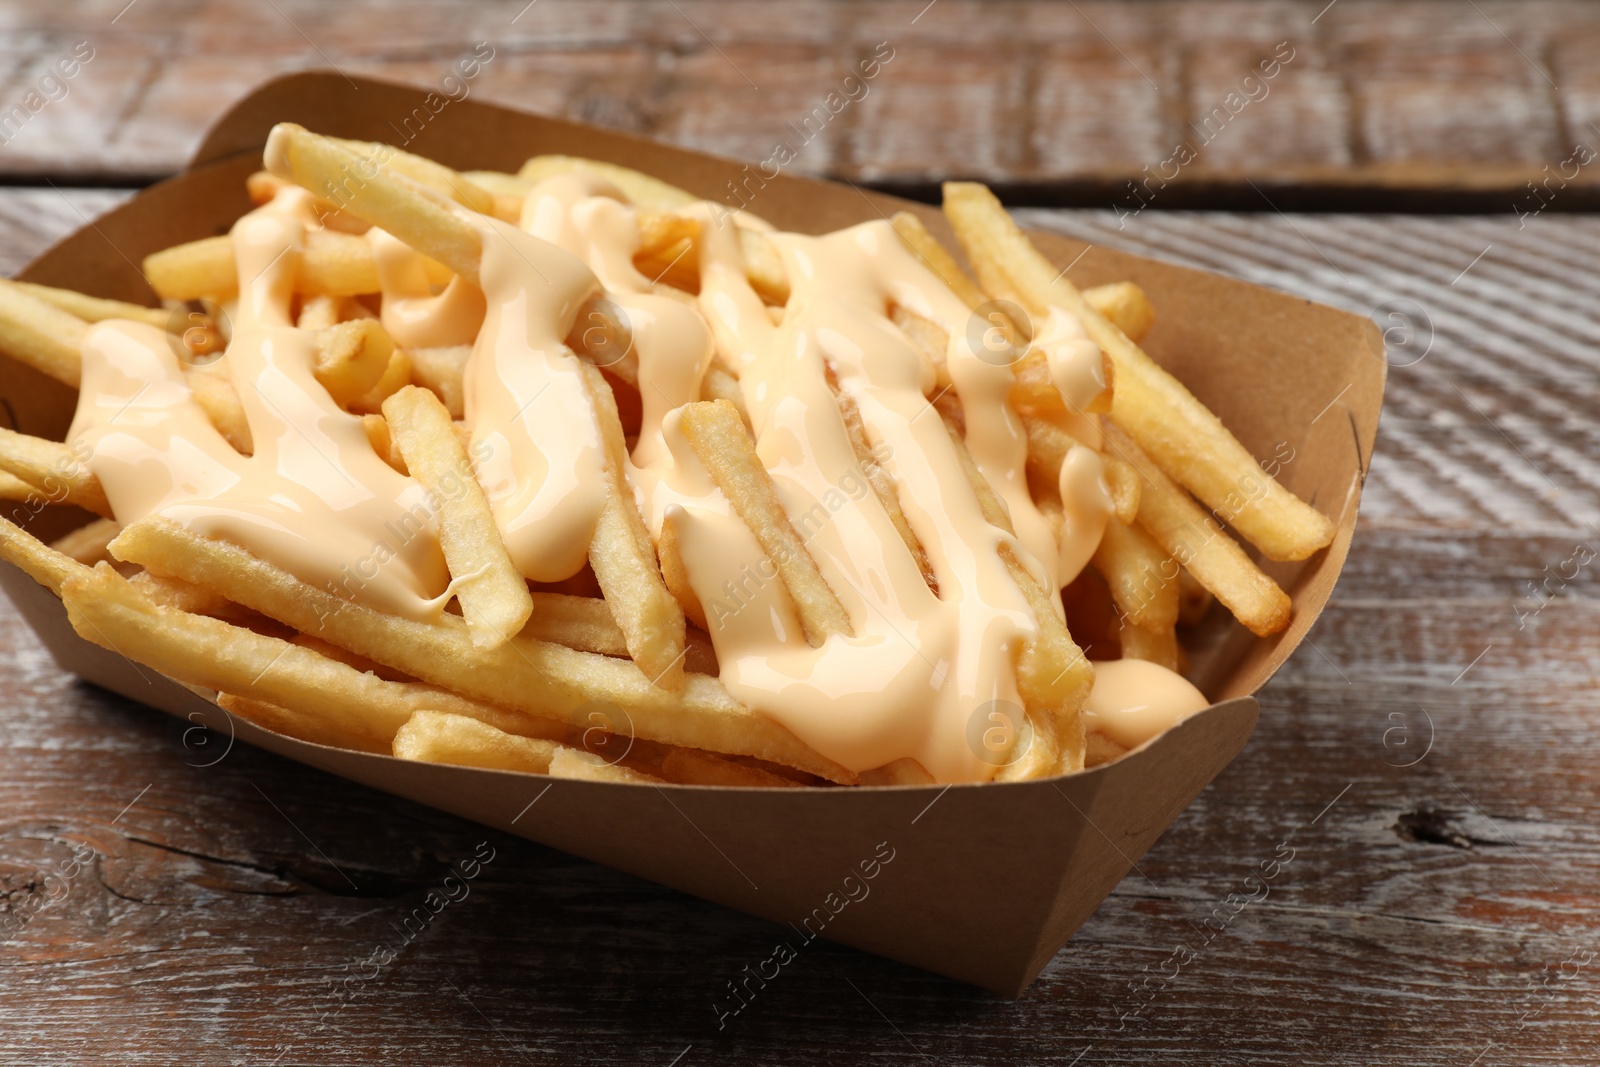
(1425, 103)
(1426, 756)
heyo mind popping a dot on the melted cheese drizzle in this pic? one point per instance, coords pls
(316, 500)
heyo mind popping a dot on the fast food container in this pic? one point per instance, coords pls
(983, 883)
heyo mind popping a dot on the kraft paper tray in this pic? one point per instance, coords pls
(987, 882)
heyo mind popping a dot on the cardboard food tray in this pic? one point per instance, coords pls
(986, 882)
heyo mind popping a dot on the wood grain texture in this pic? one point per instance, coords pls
(1424, 760)
(1061, 102)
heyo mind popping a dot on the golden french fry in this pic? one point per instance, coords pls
(642, 190)
(581, 622)
(1125, 488)
(361, 187)
(332, 263)
(914, 232)
(55, 469)
(690, 766)
(45, 565)
(1157, 645)
(441, 370)
(676, 575)
(576, 763)
(882, 485)
(1194, 599)
(721, 384)
(678, 265)
(382, 441)
(87, 544)
(183, 596)
(538, 677)
(93, 308)
(665, 237)
(1126, 306)
(717, 434)
(104, 608)
(353, 358)
(624, 557)
(14, 488)
(1182, 436)
(40, 335)
(1035, 389)
(1142, 577)
(213, 390)
(1192, 537)
(493, 595)
(440, 737)
(903, 771)
(423, 171)
(1053, 675)
(396, 376)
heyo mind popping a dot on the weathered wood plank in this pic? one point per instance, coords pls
(1063, 102)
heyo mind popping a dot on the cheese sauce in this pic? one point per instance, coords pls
(917, 667)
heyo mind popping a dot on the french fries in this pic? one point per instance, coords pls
(494, 597)
(1189, 534)
(624, 559)
(525, 676)
(717, 434)
(1185, 439)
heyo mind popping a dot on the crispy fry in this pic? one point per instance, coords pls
(396, 376)
(576, 763)
(45, 565)
(1153, 644)
(1126, 306)
(903, 771)
(717, 435)
(882, 485)
(1192, 537)
(1053, 674)
(382, 441)
(642, 190)
(14, 488)
(581, 622)
(332, 263)
(914, 232)
(493, 595)
(104, 608)
(87, 544)
(1137, 571)
(93, 308)
(55, 469)
(440, 737)
(364, 189)
(423, 171)
(538, 677)
(1194, 599)
(1125, 488)
(441, 370)
(353, 358)
(721, 384)
(690, 766)
(213, 390)
(40, 335)
(675, 574)
(1184, 438)
(624, 558)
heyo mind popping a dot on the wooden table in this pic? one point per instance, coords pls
(1426, 754)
